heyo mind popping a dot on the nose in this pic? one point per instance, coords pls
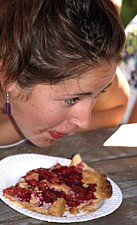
(81, 117)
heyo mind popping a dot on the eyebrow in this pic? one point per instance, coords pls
(87, 93)
(82, 94)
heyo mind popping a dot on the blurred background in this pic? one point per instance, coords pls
(129, 10)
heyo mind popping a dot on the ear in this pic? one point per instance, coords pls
(2, 78)
(4, 86)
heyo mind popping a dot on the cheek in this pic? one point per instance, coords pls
(46, 116)
(30, 116)
(55, 116)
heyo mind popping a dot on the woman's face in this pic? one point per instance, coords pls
(54, 111)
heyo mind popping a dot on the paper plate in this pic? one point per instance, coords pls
(14, 167)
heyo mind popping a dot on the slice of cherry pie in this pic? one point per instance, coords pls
(55, 190)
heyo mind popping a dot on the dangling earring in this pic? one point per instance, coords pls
(8, 106)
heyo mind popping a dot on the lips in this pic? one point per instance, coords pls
(56, 135)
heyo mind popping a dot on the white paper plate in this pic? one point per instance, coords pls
(13, 167)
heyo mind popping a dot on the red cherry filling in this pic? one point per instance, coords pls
(18, 193)
(42, 181)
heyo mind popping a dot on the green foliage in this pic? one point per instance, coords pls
(129, 10)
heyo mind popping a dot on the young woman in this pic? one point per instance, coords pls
(57, 58)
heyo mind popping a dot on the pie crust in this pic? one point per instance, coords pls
(59, 189)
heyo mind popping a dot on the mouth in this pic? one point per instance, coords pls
(56, 135)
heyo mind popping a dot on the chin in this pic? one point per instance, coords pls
(41, 143)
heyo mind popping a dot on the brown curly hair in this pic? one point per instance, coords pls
(48, 41)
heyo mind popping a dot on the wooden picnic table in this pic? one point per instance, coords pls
(118, 163)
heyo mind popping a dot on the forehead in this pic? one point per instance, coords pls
(97, 78)
(92, 82)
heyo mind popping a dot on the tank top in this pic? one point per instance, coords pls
(14, 144)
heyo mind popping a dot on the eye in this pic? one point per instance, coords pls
(103, 91)
(72, 101)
